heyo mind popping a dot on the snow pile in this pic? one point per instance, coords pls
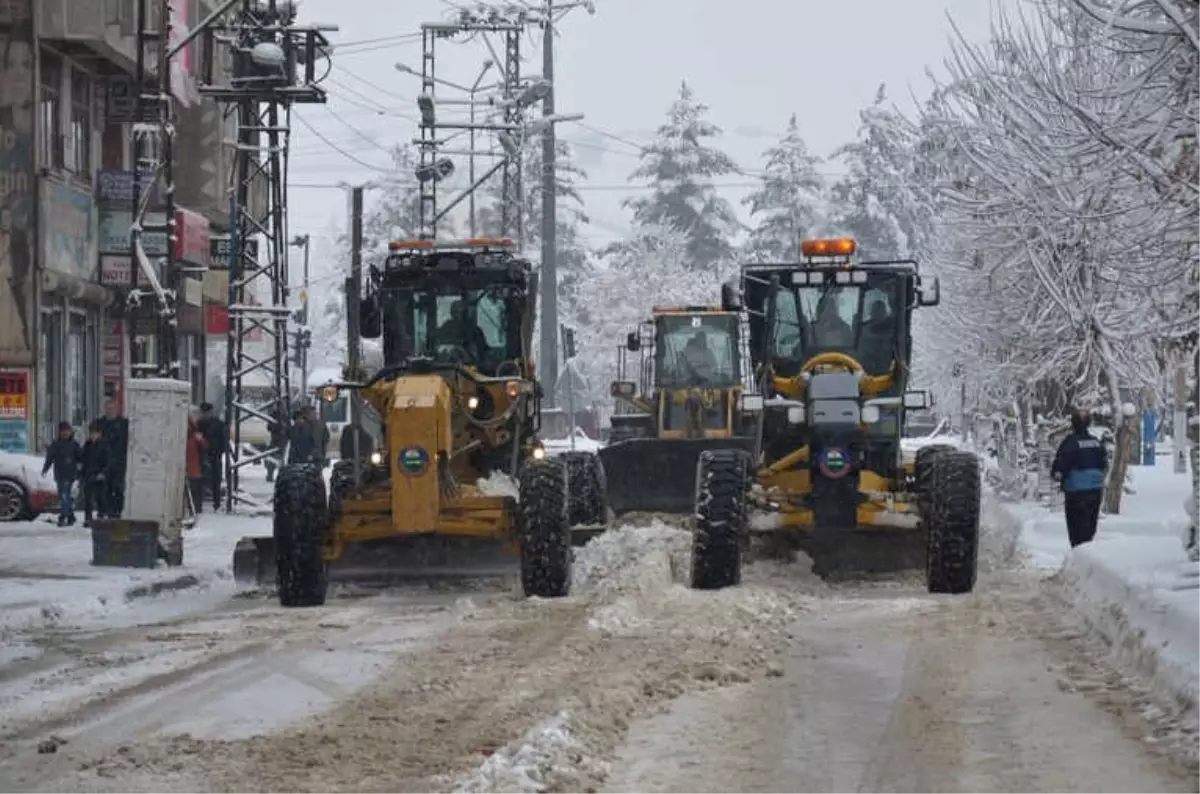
(499, 484)
(557, 446)
(1134, 584)
(535, 762)
(631, 559)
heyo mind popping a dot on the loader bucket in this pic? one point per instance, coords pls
(658, 475)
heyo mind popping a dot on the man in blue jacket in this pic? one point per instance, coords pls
(1079, 466)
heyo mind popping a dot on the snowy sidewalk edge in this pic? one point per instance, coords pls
(1148, 635)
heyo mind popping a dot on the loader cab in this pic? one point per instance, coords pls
(689, 367)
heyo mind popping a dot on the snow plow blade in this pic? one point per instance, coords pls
(397, 560)
(658, 475)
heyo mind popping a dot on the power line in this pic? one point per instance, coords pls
(338, 149)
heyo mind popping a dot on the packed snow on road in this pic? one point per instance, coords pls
(635, 682)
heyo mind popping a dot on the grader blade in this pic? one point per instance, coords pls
(859, 552)
(658, 475)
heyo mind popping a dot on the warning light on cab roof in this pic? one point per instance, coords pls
(840, 246)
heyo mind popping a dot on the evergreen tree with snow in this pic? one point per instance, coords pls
(680, 169)
(787, 205)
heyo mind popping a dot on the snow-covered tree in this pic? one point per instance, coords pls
(788, 204)
(680, 168)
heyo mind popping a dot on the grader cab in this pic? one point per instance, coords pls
(450, 478)
(830, 344)
(687, 399)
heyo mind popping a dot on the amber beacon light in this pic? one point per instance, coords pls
(841, 246)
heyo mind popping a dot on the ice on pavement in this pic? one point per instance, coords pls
(526, 764)
(1134, 584)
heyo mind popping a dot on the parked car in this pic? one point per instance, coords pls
(24, 492)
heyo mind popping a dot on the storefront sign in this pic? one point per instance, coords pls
(114, 271)
(216, 323)
(191, 238)
(17, 184)
(219, 252)
(115, 186)
(116, 228)
(15, 410)
(112, 362)
(68, 241)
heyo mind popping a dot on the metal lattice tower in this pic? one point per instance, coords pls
(271, 66)
(153, 178)
(432, 167)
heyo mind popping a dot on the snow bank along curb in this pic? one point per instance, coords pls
(54, 611)
(1150, 623)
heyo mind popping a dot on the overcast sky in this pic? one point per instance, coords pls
(753, 62)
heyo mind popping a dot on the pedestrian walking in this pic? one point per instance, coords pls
(278, 430)
(114, 429)
(197, 445)
(302, 441)
(1079, 467)
(63, 457)
(94, 468)
(217, 437)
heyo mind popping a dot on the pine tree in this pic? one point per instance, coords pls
(787, 206)
(680, 169)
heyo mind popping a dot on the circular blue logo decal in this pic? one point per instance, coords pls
(835, 463)
(414, 461)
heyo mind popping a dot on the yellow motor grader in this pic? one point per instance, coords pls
(686, 399)
(450, 478)
(830, 343)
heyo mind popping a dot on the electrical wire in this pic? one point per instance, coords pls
(338, 149)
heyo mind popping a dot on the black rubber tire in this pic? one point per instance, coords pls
(341, 481)
(722, 477)
(300, 522)
(923, 471)
(587, 492)
(545, 534)
(951, 521)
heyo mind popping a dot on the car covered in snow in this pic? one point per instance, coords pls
(24, 492)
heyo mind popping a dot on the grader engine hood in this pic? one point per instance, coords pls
(419, 438)
(834, 416)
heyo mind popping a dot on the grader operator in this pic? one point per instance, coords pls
(830, 345)
(452, 417)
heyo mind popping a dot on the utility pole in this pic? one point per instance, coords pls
(353, 307)
(304, 241)
(549, 275)
(153, 139)
(274, 67)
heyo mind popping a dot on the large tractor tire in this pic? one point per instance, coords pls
(721, 480)
(587, 492)
(923, 470)
(951, 499)
(545, 533)
(300, 524)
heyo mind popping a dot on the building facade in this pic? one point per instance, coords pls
(66, 197)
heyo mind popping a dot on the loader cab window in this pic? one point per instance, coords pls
(477, 327)
(697, 350)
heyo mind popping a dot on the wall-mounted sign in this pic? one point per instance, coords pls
(219, 251)
(15, 410)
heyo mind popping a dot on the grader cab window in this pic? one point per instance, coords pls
(861, 320)
(697, 350)
(477, 327)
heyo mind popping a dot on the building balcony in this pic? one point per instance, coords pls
(99, 33)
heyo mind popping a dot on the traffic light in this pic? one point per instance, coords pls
(568, 340)
(300, 316)
(301, 342)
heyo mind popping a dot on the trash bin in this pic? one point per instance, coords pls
(123, 543)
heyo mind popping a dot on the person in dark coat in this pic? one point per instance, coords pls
(94, 468)
(217, 437)
(320, 434)
(278, 431)
(63, 456)
(302, 440)
(114, 429)
(1079, 466)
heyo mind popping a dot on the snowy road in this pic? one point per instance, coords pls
(634, 683)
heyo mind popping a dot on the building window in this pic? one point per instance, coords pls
(79, 372)
(81, 123)
(50, 111)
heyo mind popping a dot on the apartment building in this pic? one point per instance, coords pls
(67, 106)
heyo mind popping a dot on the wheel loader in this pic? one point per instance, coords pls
(686, 399)
(450, 478)
(830, 340)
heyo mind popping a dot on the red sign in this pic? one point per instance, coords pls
(14, 394)
(216, 323)
(191, 238)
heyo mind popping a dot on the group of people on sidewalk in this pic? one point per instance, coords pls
(98, 465)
